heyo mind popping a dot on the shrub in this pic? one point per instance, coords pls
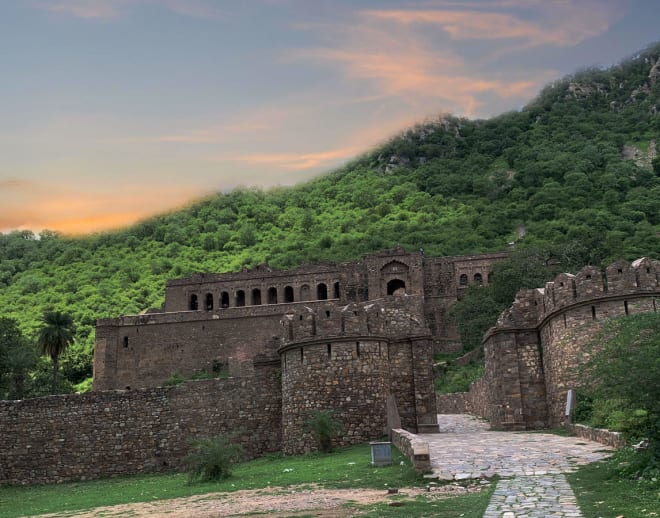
(212, 459)
(621, 382)
(325, 427)
(174, 380)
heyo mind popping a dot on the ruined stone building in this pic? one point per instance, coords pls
(224, 321)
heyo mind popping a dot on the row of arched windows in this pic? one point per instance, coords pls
(254, 298)
(477, 279)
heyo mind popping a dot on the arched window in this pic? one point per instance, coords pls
(394, 285)
(224, 299)
(304, 292)
(321, 292)
(336, 294)
(272, 295)
(463, 280)
(193, 303)
(490, 277)
(478, 278)
(209, 302)
(240, 298)
(288, 294)
(256, 297)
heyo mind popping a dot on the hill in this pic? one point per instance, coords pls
(576, 168)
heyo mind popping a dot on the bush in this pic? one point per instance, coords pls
(325, 427)
(213, 458)
(622, 386)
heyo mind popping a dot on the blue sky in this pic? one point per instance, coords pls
(113, 110)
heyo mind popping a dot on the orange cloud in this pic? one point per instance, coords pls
(35, 206)
(418, 74)
(295, 161)
(563, 24)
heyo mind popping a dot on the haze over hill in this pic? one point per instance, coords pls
(576, 169)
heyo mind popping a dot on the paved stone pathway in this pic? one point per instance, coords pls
(533, 497)
(465, 449)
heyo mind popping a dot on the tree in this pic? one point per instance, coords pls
(17, 358)
(55, 336)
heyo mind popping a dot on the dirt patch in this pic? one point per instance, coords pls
(275, 502)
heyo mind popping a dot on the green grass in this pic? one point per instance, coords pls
(346, 468)
(603, 492)
(472, 505)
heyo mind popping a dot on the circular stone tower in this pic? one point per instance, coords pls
(334, 359)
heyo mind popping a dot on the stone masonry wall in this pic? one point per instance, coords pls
(100, 434)
(144, 350)
(349, 377)
(533, 353)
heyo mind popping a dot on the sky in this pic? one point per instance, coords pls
(115, 110)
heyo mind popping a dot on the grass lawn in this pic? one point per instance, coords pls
(346, 468)
(603, 493)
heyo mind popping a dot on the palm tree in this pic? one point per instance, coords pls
(54, 338)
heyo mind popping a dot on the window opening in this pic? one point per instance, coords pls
(126, 341)
(193, 302)
(209, 301)
(394, 285)
(256, 297)
(224, 299)
(240, 298)
(288, 294)
(336, 290)
(272, 295)
(321, 292)
(478, 278)
(463, 280)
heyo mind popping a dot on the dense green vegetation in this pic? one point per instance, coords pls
(605, 489)
(348, 468)
(546, 177)
(622, 392)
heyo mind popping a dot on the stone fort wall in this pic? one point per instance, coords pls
(351, 360)
(532, 352)
(100, 434)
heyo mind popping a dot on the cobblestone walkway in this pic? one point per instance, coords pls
(533, 497)
(465, 448)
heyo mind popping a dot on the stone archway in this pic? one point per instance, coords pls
(396, 287)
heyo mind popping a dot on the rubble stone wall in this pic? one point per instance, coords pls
(100, 434)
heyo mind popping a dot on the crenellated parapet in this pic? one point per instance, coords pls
(590, 286)
(533, 351)
(390, 317)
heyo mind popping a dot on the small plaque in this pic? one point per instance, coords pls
(381, 453)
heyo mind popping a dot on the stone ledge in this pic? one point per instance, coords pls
(606, 437)
(414, 448)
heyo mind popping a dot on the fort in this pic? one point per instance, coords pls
(357, 338)
(224, 321)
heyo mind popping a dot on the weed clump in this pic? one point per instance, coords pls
(212, 459)
(325, 427)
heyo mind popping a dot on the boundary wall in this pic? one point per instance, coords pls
(532, 353)
(100, 434)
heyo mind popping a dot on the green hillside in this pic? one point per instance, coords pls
(573, 168)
